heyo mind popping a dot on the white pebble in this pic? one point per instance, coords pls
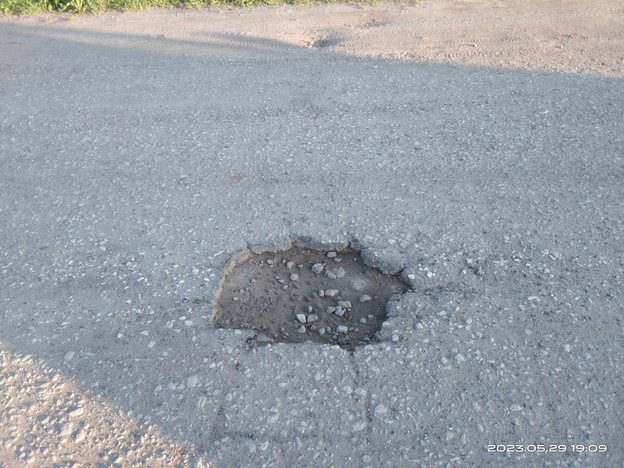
(380, 409)
(301, 318)
(79, 436)
(365, 298)
(359, 426)
(65, 428)
(251, 446)
(76, 412)
(339, 272)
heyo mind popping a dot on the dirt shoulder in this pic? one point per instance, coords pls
(564, 36)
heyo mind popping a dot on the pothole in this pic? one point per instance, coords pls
(304, 295)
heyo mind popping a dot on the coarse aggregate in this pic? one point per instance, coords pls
(135, 163)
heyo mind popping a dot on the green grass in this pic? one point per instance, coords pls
(27, 7)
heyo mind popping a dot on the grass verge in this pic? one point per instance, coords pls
(28, 7)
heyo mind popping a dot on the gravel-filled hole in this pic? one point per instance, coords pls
(304, 295)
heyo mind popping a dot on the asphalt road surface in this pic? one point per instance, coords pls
(474, 148)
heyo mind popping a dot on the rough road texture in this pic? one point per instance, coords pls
(475, 148)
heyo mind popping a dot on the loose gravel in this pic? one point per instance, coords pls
(262, 295)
